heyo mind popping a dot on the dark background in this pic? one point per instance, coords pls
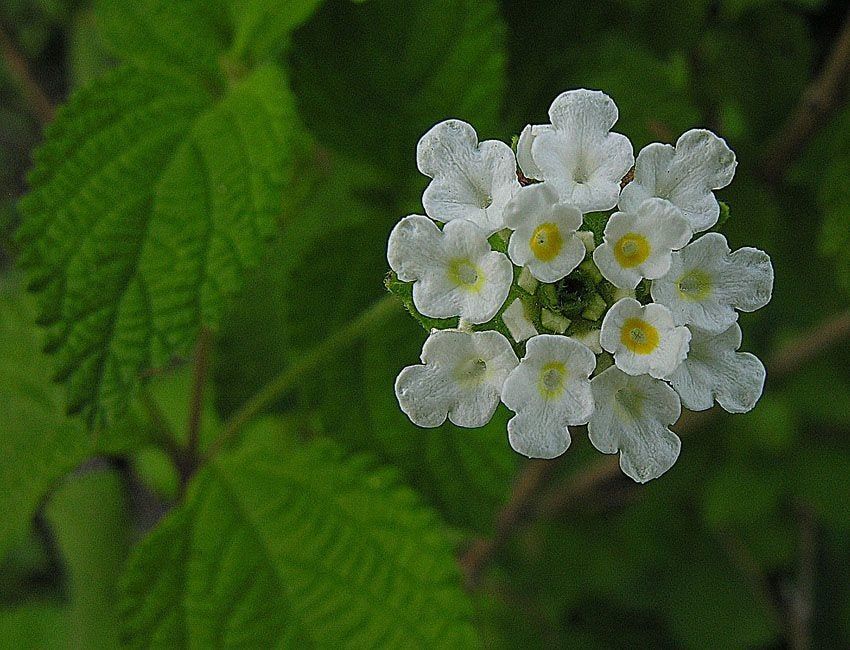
(744, 543)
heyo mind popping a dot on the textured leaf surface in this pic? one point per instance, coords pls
(281, 544)
(149, 200)
(464, 473)
(447, 60)
(186, 36)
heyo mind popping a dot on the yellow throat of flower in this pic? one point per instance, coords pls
(639, 336)
(546, 242)
(632, 249)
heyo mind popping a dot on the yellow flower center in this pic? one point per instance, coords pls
(552, 379)
(632, 249)
(639, 336)
(694, 285)
(546, 242)
(465, 275)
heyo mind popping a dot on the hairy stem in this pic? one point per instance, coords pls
(285, 381)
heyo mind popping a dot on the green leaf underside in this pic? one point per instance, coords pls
(39, 445)
(149, 200)
(288, 545)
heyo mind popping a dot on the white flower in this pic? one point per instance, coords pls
(684, 175)
(544, 238)
(706, 284)
(517, 321)
(643, 339)
(470, 180)
(462, 378)
(523, 150)
(454, 271)
(548, 390)
(578, 155)
(715, 370)
(639, 244)
(632, 416)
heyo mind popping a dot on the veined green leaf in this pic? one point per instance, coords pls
(150, 198)
(185, 37)
(281, 544)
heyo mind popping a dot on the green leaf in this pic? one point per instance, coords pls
(186, 37)
(89, 519)
(448, 60)
(150, 200)
(39, 444)
(34, 625)
(280, 544)
(466, 473)
(263, 26)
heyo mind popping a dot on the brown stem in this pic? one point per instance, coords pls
(801, 598)
(742, 560)
(162, 430)
(529, 499)
(822, 96)
(530, 481)
(809, 346)
(38, 102)
(196, 404)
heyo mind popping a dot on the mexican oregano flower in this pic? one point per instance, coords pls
(568, 311)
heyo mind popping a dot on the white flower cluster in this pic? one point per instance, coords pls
(616, 336)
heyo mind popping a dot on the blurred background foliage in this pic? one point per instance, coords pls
(744, 543)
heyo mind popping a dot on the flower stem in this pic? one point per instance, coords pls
(284, 382)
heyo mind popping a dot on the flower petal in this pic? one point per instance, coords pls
(548, 391)
(470, 180)
(578, 155)
(714, 370)
(536, 211)
(523, 150)
(706, 283)
(461, 378)
(632, 417)
(685, 175)
(643, 339)
(653, 230)
(414, 248)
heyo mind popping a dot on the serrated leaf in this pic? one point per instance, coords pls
(150, 199)
(281, 543)
(448, 60)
